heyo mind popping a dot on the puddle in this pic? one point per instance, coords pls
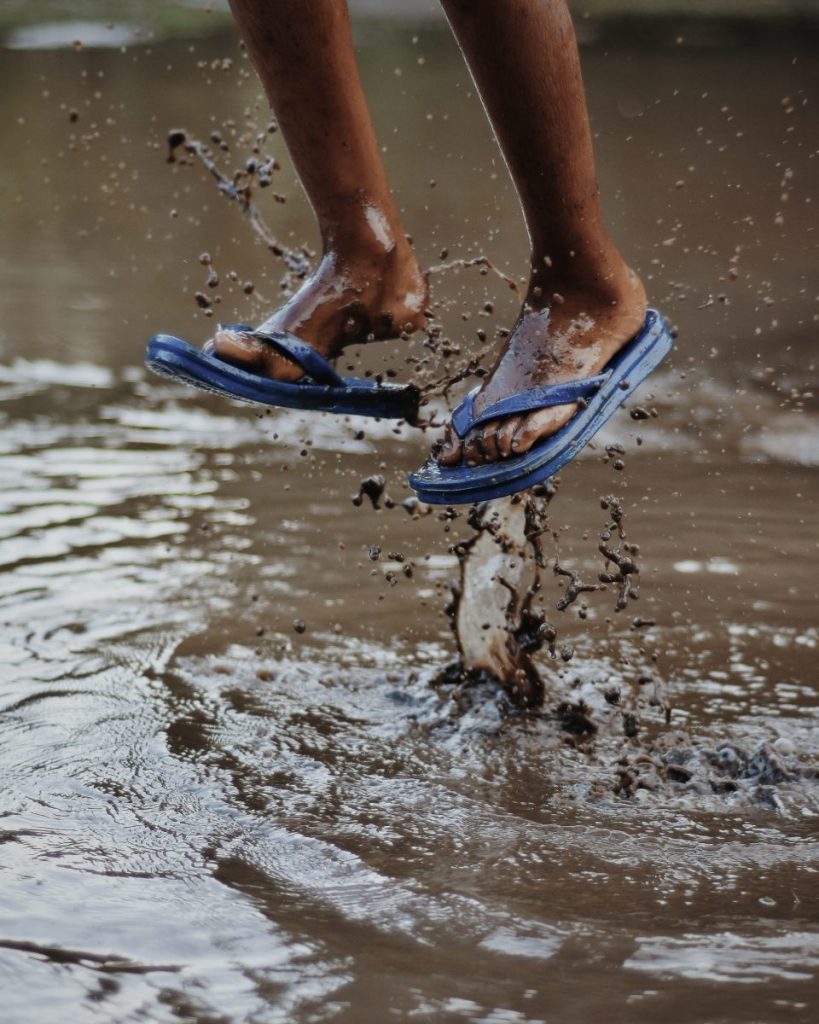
(237, 782)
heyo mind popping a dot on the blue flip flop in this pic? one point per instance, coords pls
(601, 397)
(321, 389)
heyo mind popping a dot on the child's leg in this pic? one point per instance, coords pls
(368, 281)
(583, 302)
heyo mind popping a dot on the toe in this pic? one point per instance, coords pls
(489, 441)
(473, 450)
(249, 353)
(540, 424)
(506, 434)
(451, 449)
(235, 348)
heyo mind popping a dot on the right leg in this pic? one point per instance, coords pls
(368, 283)
(583, 303)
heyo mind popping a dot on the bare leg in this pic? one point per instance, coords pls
(368, 284)
(583, 303)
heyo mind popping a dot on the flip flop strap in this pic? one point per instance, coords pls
(464, 420)
(314, 365)
(297, 351)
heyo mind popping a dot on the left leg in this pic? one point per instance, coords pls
(582, 302)
(368, 284)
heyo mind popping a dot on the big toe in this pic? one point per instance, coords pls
(235, 348)
(540, 424)
(451, 449)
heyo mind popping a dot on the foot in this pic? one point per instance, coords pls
(347, 301)
(557, 337)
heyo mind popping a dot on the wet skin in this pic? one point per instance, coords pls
(368, 285)
(582, 304)
(556, 338)
(347, 301)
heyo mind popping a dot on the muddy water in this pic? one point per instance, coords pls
(210, 814)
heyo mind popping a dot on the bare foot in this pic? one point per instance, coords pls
(557, 337)
(347, 301)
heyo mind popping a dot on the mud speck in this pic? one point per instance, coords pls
(371, 487)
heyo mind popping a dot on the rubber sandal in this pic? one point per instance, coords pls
(321, 389)
(602, 394)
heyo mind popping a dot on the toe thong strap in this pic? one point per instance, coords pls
(544, 397)
(299, 352)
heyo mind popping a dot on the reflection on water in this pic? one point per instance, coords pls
(727, 957)
(209, 815)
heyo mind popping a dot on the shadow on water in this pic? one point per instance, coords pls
(231, 790)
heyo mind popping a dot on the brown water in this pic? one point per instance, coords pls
(209, 816)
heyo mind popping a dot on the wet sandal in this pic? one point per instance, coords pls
(602, 395)
(321, 389)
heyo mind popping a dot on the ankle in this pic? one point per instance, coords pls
(353, 251)
(374, 268)
(598, 283)
(362, 230)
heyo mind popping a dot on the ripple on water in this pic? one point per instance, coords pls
(225, 827)
(729, 958)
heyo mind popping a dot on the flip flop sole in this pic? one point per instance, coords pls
(440, 485)
(176, 360)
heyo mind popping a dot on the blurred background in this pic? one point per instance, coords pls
(701, 117)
